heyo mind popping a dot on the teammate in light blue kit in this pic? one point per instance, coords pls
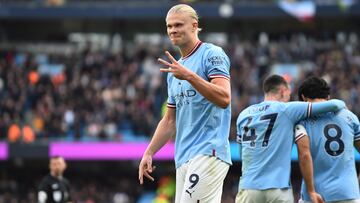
(332, 138)
(198, 111)
(265, 131)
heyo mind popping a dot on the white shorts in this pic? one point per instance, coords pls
(270, 195)
(200, 180)
(342, 201)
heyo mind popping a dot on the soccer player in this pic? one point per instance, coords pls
(332, 138)
(266, 133)
(198, 112)
(54, 188)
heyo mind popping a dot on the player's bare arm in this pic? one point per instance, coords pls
(164, 131)
(218, 91)
(306, 163)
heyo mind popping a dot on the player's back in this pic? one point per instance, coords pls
(332, 138)
(266, 135)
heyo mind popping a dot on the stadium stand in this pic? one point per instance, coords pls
(93, 95)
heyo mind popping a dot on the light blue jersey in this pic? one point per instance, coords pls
(202, 128)
(265, 131)
(332, 139)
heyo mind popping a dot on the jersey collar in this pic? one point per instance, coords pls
(198, 44)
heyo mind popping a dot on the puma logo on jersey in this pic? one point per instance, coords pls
(190, 193)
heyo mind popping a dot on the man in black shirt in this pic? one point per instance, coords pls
(54, 188)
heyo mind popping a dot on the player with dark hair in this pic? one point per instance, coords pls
(331, 139)
(54, 188)
(266, 134)
(314, 88)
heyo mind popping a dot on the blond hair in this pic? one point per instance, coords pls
(184, 8)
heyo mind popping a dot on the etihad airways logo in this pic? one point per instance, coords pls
(183, 97)
(186, 93)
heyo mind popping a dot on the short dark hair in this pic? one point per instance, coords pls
(314, 88)
(56, 157)
(272, 82)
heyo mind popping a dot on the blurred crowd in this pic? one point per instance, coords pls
(92, 95)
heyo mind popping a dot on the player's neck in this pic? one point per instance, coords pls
(55, 175)
(189, 47)
(316, 100)
(272, 97)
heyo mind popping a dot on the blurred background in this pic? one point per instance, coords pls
(79, 78)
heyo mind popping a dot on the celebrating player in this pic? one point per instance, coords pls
(265, 131)
(198, 112)
(332, 138)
